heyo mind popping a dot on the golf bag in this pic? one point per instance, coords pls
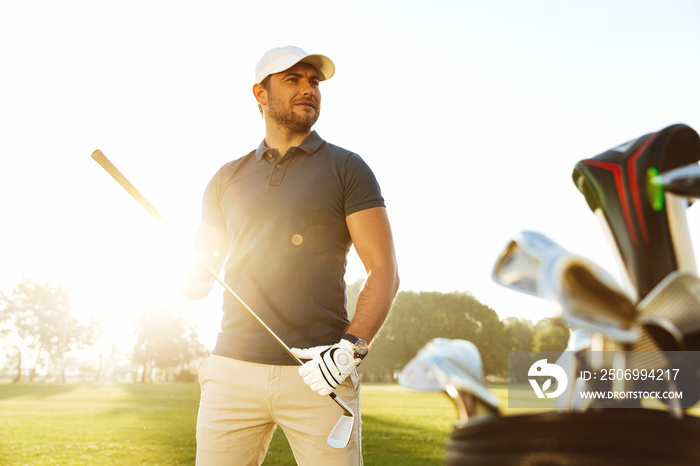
(619, 437)
(618, 186)
(616, 182)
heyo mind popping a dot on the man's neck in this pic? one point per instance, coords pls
(282, 139)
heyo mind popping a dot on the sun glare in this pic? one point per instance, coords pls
(118, 273)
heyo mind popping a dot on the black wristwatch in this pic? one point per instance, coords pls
(361, 346)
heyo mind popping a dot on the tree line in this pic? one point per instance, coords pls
(418, 317)
(38, 330)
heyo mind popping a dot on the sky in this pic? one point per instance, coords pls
(472, 115)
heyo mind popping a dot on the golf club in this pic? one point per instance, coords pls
(617, 185)
(676, 210)
(674, 306)
(519, 264)
(529, 264)
(586, 297)
(340, 434)
(455, 367)
(672, 312)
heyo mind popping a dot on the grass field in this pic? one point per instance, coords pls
(152, 424)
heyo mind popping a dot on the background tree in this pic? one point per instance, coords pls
(520, 334)
(39, 315)
(166, 342)
(417, 318)
(550, 335)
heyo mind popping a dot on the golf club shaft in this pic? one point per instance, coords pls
(109, 167)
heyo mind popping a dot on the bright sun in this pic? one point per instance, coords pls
(117, 273)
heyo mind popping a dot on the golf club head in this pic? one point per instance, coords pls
(519, 264)
(616, 186)
(341, 432)
(674, 306)
(445, 363)
(586, 297)
(670, 318)
(468, 405)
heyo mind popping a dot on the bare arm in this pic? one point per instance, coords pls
(371, 234)
(210, 250)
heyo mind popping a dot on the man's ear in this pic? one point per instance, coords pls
(260, 93)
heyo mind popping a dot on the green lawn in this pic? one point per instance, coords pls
(154, 424)
(97, 424)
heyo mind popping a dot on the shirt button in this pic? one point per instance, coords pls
(279, 166)
(269, 154)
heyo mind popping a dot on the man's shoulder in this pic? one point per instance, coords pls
(337, 150)
(345, 157)
(235, 163)
(340, 154)
(315, 144)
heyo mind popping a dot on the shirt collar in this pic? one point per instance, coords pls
(309, 145)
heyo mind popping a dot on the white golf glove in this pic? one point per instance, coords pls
(328, 365)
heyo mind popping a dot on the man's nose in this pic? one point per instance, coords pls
(308, 88)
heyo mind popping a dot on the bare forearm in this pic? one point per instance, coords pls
(374, 302)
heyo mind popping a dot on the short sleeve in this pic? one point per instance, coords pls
(362, 190)
(211, 202)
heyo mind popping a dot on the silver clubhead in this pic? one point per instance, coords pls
(519, 264)
(453, 366)
(340, 435)
(674, 306)
(586, 297)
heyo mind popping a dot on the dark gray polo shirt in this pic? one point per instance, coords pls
(285, 225)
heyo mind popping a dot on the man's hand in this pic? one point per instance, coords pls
(196, 280)
(328, 365)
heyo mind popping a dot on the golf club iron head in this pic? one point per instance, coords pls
(342, 431)
(452, 366)
(519, 264)
(586, 297)
(674, 306)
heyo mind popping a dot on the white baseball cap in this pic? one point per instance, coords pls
(282, 58)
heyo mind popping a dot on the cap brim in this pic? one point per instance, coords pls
(324, 65)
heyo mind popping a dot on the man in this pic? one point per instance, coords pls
(283, 218)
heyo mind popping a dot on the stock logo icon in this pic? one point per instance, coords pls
(542, 369)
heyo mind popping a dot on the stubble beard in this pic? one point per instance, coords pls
(285, 117)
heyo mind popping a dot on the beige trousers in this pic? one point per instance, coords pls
(242, 403)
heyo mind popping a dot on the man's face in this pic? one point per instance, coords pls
(294, 98)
